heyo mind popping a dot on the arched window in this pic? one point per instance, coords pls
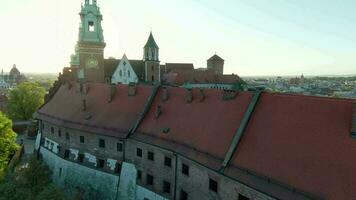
(128, 73)
(120, 73)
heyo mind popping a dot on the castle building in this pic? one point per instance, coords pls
(158, 141)
(89, 65)
(10, 80)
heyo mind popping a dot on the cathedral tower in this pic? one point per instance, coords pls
(151, 59)
(88, 60)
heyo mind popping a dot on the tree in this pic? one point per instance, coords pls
(30, 183)
(24, 100)
(8, 144)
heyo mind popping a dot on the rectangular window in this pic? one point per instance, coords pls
(185, 169)
(119, 147)
(67, 136)
(139, 174)
(81, 139)
(166, 187)
(118, 168)
(101, 143)
(242, 197)
(167, 161)
(149, 179)
(101, 163)
(213, 185)
(139, 152)
(66, 153)
(91, 26)
(52, 130)
(80, 157)
(150, 156)
(60, 172)
(183, 195)
(59, 133)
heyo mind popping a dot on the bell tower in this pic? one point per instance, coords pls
(151, 59)
(88, 60)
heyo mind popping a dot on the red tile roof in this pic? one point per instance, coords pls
(303, 142)
(293, 145)
(114, 119)
(204, 127)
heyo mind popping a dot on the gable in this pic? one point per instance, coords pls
(124, 73)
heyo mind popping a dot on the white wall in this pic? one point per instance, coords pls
(124, 73)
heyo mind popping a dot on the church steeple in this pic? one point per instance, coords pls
(88, 61)
(151, 58)
(151, 50)
(90, 29)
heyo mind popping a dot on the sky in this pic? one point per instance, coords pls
(255, 37)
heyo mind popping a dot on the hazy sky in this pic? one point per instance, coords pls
(255, 37)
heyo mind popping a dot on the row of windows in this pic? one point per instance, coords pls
(128, 73)
(101, 144)
(150, 182)
(151, 157)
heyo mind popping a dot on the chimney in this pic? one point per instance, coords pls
(111, 93)
(158, 112)
(201, 95)
(353, 122)
(84, 105)
(189, 96)
(131, 89)
(165, 94)
(229, 94)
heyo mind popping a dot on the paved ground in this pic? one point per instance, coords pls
(29, 143)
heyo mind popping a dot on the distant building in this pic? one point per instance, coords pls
(89, 65)
(13, 78)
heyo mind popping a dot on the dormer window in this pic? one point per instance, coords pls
(91, 26)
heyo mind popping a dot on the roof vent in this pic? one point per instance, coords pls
(84, 105)
(158, 112)
(165, 95)
(201, 95)
(111, 93)
(132, 89)
(353, 125)
(229, 94)
(189, 96)
(166, 130)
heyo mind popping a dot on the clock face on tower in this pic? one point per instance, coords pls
(92, 62)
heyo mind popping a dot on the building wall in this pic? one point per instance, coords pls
(217, 66)
(196, 184)
(152, 71)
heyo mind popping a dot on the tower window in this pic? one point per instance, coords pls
(91, 26)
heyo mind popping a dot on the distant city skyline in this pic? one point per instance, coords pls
(256, 38)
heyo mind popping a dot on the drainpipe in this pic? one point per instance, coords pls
(175, 177)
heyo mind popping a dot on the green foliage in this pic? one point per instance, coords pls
(8, 144)
(30, 183)
(24, 100)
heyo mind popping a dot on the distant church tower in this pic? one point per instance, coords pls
(216, 63)
(151, 59)
(88, 60)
